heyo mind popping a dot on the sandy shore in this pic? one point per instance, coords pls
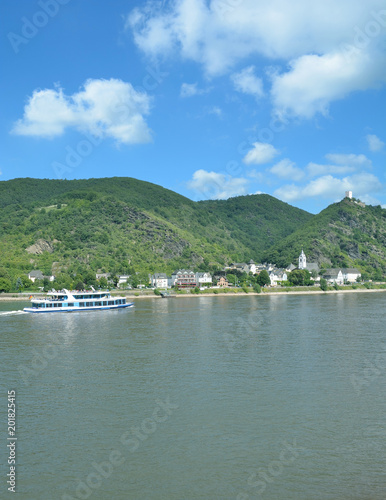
(9, 297)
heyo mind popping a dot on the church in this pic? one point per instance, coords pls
(311, 266)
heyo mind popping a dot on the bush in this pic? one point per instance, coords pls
(257, 288)
(157, 292)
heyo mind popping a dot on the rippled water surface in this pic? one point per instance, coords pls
(237, 398)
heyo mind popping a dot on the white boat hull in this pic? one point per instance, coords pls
(75, 309)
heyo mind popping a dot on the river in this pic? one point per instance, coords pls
(277, 397)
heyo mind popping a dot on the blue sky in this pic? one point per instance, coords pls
(211, 99)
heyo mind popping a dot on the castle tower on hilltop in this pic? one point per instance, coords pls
(348, 194)
(302, 261)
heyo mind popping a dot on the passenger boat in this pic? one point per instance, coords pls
(66, 301)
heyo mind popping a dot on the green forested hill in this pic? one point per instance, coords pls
(345, 234)
(122, 224)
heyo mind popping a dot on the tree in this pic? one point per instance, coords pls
(231, 278)
(63, 280)
(46, 284)
(19, 284)
(5, 285)
(299, 277)
(263, 278)
(103, 282)
(257, 288)
(27, 283)
(90, 279)
(79, 286)
(323, 284)
(134, 281)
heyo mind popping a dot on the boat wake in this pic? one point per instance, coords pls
(11, 313)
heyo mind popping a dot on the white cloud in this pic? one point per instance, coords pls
(316, 169)
(331, 187)
(262, 152)
(104, 108)
(350, 160)
(191, 89)
(287, 169)
(332, 48)
(246, 82)
(214, 185)
(215, 110)
(341, 164)
(314, 81)
(375, 144)
(217, 33)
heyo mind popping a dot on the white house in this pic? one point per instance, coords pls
(159, 280)
(123, 278)
(334, 276)
(203, 279)
(351, 274)
(36, 274)
(342, 275)
(252, 267)
(277, 275)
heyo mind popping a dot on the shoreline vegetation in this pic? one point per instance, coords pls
(229, 292)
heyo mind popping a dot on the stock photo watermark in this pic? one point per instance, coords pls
(41, 358)
(11, 441)
(266, 476)
(245, 329)
(225, 7)
(371, 372)
(130, 441)
(365, 34)
(30, 27)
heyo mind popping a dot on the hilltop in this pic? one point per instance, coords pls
(123, 224)
(345, 234)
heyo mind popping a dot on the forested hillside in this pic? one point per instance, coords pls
(345, 234)
(121, 225)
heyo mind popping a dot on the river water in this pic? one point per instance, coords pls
(276, 397)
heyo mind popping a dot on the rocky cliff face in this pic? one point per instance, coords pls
(40, 246)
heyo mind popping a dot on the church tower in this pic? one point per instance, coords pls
(302, 260)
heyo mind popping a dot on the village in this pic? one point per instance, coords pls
(231, 276)
(185, 278)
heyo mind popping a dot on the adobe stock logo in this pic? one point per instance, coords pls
(31, 27)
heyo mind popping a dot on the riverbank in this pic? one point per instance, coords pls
(10, 297)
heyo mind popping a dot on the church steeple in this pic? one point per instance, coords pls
(302, 260)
